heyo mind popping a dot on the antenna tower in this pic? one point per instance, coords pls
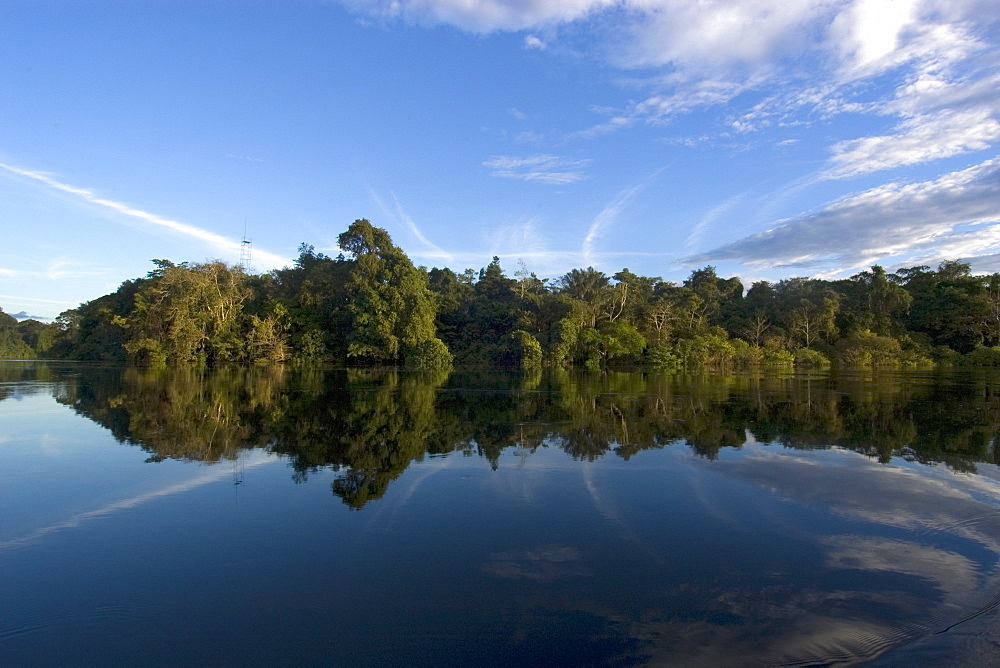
(246, 246)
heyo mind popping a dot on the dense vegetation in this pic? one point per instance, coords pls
(372, 306)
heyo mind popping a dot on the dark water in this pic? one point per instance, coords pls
(276, 516)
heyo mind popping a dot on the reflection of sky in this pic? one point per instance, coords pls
(765, 552)
(207, 476)
(61, 471)
(903, 550)
(903, 495)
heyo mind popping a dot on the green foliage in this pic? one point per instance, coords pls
(267, 338)
(520, 350)
(746, 355)
(38, 336)
(391, 308)
(430, 354)
(187, 314)
(806, 357)
(311, 347)
(373, 307)
(664, 357)
(867, 349)
(778, 357)
(875, 301)
(953, 307)
(598, 347)
(12, 346)
(945, 356)
(711, 349)
(983, 356)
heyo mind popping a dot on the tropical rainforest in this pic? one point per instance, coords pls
(371, 306)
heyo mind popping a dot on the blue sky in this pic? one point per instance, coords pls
(770, 138)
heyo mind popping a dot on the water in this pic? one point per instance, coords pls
(276, 516)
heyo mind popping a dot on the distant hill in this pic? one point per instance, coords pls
(23, 315)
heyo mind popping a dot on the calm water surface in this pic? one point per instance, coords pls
(378, 517)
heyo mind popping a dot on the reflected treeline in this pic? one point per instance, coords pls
(368, 425)
(20, 378)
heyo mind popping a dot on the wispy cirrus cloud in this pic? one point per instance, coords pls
(217, 242)
(481, 16)
(248, 158)
(807, 59)
(207, 476)
(942, 114)
(542, 168)
(609, 215)
(916, 140)
(56, 269)
(954, 216)
(432, 251)
(35, 300)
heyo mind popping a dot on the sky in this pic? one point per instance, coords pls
(767, 138)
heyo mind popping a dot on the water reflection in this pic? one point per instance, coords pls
(371, 424)
(823, 519)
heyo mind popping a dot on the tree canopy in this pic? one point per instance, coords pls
(370, 305)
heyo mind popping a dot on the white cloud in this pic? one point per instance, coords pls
(481, 16)
(869, 31)
(541, 168)
(217, 242)
(432, 251)
(56, 269)
(609, 215)
(916, 140)
(716, 35)
(809, 58)
(532, 42)
(517, 113)
(709, 219)
(932, 67)
(954, 216)
(34, 300)
(243, 157)
(519, 239)
(412, 225)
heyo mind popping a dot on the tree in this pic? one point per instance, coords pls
(882, 305)
(811, 320)
(600, 346)
(950, 305)
(756, 327)
(187, 314)
(391, 309)
(584, 284)
(37, 335)
(527, 282)
(12, 346)
(720, 298)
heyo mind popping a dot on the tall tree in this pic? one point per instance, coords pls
(391, 308)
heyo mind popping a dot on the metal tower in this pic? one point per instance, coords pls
(245, 248)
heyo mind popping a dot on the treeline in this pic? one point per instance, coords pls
(372, 306)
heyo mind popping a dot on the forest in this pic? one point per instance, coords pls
(371, 306)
